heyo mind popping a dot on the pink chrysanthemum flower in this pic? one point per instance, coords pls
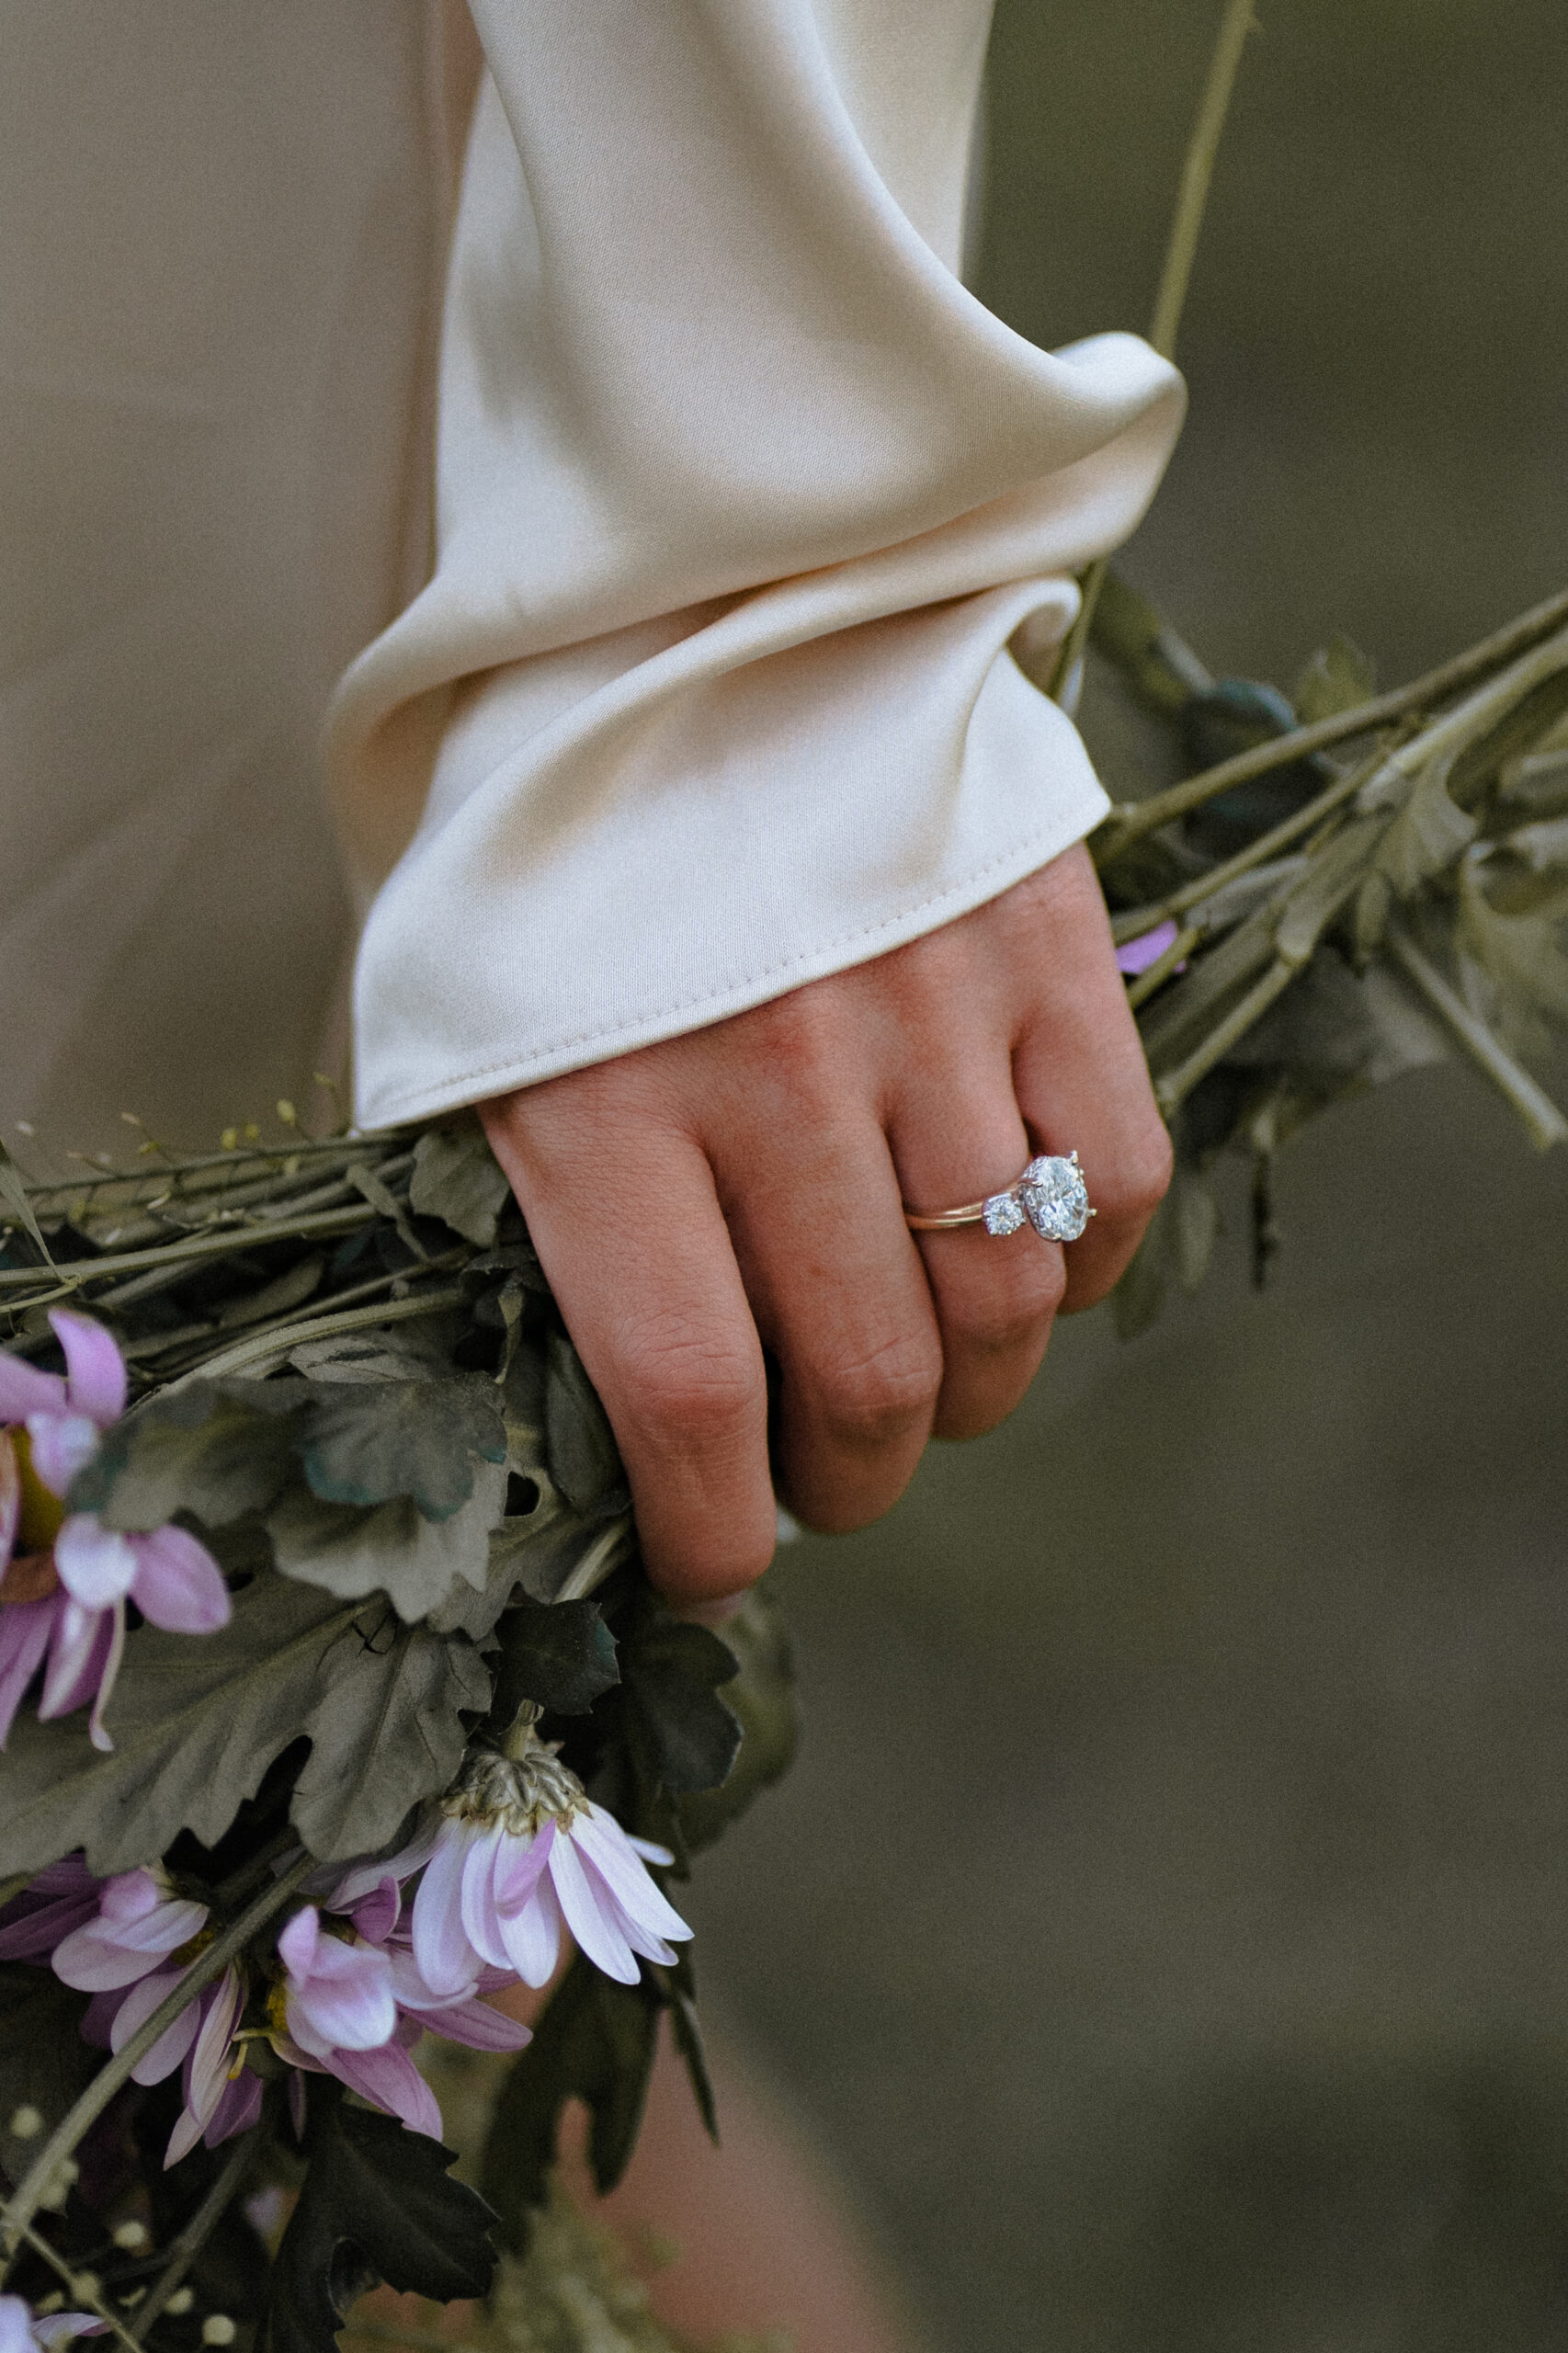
(522, 1852)
(76, 1631)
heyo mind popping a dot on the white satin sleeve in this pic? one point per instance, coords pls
(740, 498)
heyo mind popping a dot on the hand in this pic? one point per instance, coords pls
(739, 1190)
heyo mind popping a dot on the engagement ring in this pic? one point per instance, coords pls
(1050, 1196)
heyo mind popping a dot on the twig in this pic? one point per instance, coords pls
(1129, 821)
(277, 1343)
(1156, 975)
(1544, 1121)
(73, 2280)
(1181, 247)
(84, 2113)
(230, 1243)
(184, 2250)
(1178, 1083)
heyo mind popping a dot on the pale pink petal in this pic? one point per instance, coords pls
(639, 1938)
(345, 2001)
(57, 2328)
(445, 1957)
(24, 1390)
(34, 1930)
(344, 1891)
(95, 1369)
(108, 1675)
(62, 1444)
(136, 2009)
(479, 1924)
(643, 1847)
(81, 1646)
(1137, 955)
(10, 1498)
(375, 1915)
(25, 1630)
(96, 1563)
(390, 2078)
(608, 1849)
(177, 1584)
(476, 2024)
(298, 1943)
(519, 1863)
(588, 1920)
(533, 1936)
(210, 2061)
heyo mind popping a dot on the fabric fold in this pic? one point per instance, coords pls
(741, 495)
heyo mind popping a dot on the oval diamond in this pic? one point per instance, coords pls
(1056, 1198)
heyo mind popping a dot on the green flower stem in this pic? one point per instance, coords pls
(184, 2250)
(79, 1271)
(1135, 921)
(1132, 819)
(84, 2113)
(1543, 1123)
(1177, 1084)
(1181, 247)
(269, 1347)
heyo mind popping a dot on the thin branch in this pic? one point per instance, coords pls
(84, 2112)
(1133, 819)
(278, 1341)
(184, 2250)
(1544, 1121)
(239, 1238)
(1181, 247)
(73, 2280)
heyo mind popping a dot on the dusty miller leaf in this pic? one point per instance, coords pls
(378, 2204)
(391, 1548)
(594, 2043)
(216, 1449)
(1428, 833)
(672, 1672)
(198, 1720)
(366, 1442)
(584, 1459)
(458, 1178)
(14, 1194)
(388, 1732)
(761, 1696)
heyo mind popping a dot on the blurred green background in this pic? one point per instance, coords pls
(1168, 1917)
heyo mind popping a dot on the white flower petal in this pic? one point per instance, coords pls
(589, 1921)
(533, 1936)
(442, 1952)
(96, 1563)
(608, 1849)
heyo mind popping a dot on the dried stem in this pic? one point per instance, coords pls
(184, 2250)
(1543, 1123)
(82, 2296)
(1181, 247)
(84, 2112)
(1133, 819)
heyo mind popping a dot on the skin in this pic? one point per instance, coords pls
(759, 1224)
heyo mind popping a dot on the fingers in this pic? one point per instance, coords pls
(955, 1137)
(1078, 1069)
(840, 1300)
(645, 1277)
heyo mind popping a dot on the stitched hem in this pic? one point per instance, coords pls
(736, 996)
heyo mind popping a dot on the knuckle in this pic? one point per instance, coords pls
(1139, 1174)
(1012, 1318)
(692, 1380)
(877, 1393)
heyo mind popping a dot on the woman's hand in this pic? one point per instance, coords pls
(740, 1190)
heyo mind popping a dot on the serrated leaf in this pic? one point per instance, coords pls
(596, 2043)
(389, 1731)
(560, 1655)
(392, 1548)
(368, 1356)
(44, 2062)
(198, 1720)
(364, 1443)
(217, 1449)
(378, 2204)
(14, 1194)
(585, 1460)
(761, 1696)
(672, 1672)
(458, 1178)
(1428, 836)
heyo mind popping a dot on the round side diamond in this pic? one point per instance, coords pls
(1055, 1199)
(1003, 1213)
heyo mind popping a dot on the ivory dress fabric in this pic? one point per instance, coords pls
(740, 498)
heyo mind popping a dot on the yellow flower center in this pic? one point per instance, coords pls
(43, 1514)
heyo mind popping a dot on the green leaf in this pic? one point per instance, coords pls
(673, 1673)
(389, 1733)
(458, 1178)
(217, 1449)
(1429, 835)
(43, 2060)
(391, 1548)
(14, 1195)
(594, 2043)
(378, 2204)
(198, 1720)
(584, 1461)
(560, 1655)
(761, 1695)
(366, 1442)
